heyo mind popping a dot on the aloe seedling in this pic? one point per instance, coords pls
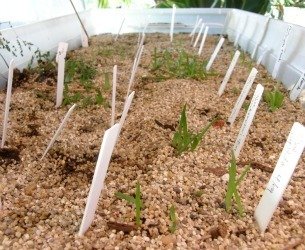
(173, 219)
(137, 201)
(232, 186)
(274, 99)
(183, 139)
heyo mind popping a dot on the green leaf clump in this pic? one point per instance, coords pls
(185, 140)
(136, 201)
(274, 99)
(179, 64)
(233, 183)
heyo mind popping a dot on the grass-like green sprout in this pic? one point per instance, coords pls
(274, 99)
(137, 201)
(233, 183)
(183, 139)
(178, 64)
(173, 219)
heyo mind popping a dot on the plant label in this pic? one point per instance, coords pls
(229, 73)
(240, 30)
(260, 59)
(297, 88)
(61, 126)
(195, 26)
(60, 59)
(62, 50)
(134, 69)
(198, 35)
(114, 78)
(126, 108)
(282, 52)
(100, 172)
(84, 38)
(119, 31)
(281, 176)
(248, 120)
(7, 100)
(60, 81)
(242, 96)
(172, 23)
(206, 30)
(194, 31)
(215, 54)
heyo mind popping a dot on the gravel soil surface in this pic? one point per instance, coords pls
(42, 201)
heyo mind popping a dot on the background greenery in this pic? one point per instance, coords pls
(274, 7)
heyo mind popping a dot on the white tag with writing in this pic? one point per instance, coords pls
(206, 30)
(61, 50)
(221, 41)
(99, 176)
(172, 23)
(195, 26)
(114, 78)
(229, 73)
(281, 176)
(198, 35)
(194, 31)
(242, 96)
(282, 52)
(297, 88)
(248, 120)
(60, 59)
(7, 100)
(60, 128)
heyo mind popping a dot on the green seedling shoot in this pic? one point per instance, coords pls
(183, 139)
(274, 99)
(137, 201)
(173, 219)
(233, 183)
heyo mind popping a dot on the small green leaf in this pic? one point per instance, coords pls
(125, 197)
(173, 219)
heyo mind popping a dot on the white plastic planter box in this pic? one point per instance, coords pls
(47, 34)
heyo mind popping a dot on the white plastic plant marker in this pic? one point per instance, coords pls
(213, 56)
(84, 38)
(114, 79)
(61, 50)
(240, 30)
(229, 73)
(7, 100)
(198, 35)
(248, 120)
(195, 26)
(108, 143)
(60, 59)
(206, 30)
(260, 59)
(133, 73)
(126, 108)
(281, 176)
(172, 23)
(297, 88)
(242, 96)
(119, 31)
(60, 128)
(282, 52)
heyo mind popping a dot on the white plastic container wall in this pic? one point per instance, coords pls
(255, 31)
